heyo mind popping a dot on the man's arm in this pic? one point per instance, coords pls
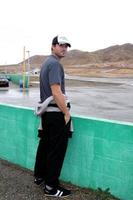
(60, 101)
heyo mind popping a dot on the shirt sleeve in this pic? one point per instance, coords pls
(55, 73)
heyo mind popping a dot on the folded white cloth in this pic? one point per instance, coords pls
(43, 107)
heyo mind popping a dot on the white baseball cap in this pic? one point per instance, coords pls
(60, 40)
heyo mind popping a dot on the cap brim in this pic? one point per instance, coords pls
(68, 45)
(65, 43)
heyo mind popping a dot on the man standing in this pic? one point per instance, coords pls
(55, 121)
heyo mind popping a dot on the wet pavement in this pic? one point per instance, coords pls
(108, 98)
(101, 98)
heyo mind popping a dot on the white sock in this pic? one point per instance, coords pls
(49, 187)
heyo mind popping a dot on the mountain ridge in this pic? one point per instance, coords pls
(116, 60)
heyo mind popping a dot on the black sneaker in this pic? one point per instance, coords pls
(38, 180)
(58, 192)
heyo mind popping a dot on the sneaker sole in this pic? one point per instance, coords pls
(49, 195)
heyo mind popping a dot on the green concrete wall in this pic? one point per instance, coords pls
(100, 154)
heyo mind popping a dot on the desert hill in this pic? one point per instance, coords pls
(111, 54)
(116, 53)
(114, 61)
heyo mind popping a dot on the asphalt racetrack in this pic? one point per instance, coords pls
(107, 98)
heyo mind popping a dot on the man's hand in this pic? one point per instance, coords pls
(60, 101)
(67, 117)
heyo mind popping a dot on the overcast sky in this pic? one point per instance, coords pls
(89, 25)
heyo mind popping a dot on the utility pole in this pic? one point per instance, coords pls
(24, 68)
(28, 52)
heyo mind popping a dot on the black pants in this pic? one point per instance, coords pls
(52, 147)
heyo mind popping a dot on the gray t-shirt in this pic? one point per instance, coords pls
(52, 72)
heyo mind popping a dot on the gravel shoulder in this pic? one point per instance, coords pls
(16, 183)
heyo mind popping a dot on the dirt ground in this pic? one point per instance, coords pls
(16, 183)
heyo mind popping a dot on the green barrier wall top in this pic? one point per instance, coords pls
(100, 153)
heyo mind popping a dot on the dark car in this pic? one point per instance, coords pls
(4, 82)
